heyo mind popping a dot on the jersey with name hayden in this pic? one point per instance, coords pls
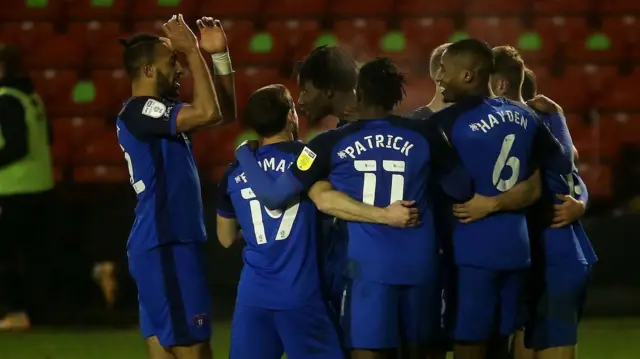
(500, 143)
(378, 162)
(163, 174)
(281, 269)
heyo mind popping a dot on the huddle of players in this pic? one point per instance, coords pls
(382, 174)
(488, 153)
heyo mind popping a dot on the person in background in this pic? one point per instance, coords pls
(26, 182)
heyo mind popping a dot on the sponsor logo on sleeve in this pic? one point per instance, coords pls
(306, 158)
(154, 108)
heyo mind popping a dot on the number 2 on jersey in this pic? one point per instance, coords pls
(504, 160)
(288, 217)
(138, 186)
(370, 179)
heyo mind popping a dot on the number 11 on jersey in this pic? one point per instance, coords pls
(370, 179)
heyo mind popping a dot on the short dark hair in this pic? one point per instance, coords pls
(529, 85)
(381, 83)
(328, 68)
(509, 64)
(434, 61)
(478, 52)
(139, 50)
(267, 110)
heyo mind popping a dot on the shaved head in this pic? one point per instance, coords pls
(434, 62)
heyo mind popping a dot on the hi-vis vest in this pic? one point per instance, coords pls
(32, 173)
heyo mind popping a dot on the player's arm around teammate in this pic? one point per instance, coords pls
(337, 204)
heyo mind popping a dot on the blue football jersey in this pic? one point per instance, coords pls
(163, 174)
(281, 268)
(379, 162)
(495, 140)
(442, 204)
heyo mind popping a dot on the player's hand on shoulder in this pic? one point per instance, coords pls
(402, 214)
(212, 37)
(180, 36)
(476, 208)
(544, 104)
(568, 211)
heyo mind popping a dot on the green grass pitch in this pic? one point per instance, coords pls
(599, 339)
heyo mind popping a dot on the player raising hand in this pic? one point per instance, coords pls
(165, 245)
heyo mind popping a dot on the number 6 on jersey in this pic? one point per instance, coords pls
(504, 160)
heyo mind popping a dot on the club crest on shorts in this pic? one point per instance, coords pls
(200, 319)
(306, 158)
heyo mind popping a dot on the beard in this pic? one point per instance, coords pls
(166, 87)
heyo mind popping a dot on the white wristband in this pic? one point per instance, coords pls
(222, 63)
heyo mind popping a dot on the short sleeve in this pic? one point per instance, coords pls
(223, 199)
(147, 116)
(314, 161)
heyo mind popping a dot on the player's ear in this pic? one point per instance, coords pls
(148, 71)
(467, 76)
(293, 116)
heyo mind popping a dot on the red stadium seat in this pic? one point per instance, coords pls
(84, 10)
(95, 34)
(561, 6)
(151, 26)
(599, 77)
(622, 6)
(100, 149)
(624, 32)
(58, 52)
(561, 32)
(55, 88)
(622, 94)
(250, 79)
(596, 141)
(75, 130)
(598, 178)
(570, 90)
(496, 7)
(428, 7)
(60, 148)
(107, 56)
(427, 32)
(361, 37)
(628, 126)
(360, 7)
(226, 9)
(293, 8)
(113, 87)
(92, 174)
(216, 146)
(153, 10)
(419, 90)
(239, 33)
(292, 39)
(27, 34)
(495, 30)
(18, 10)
